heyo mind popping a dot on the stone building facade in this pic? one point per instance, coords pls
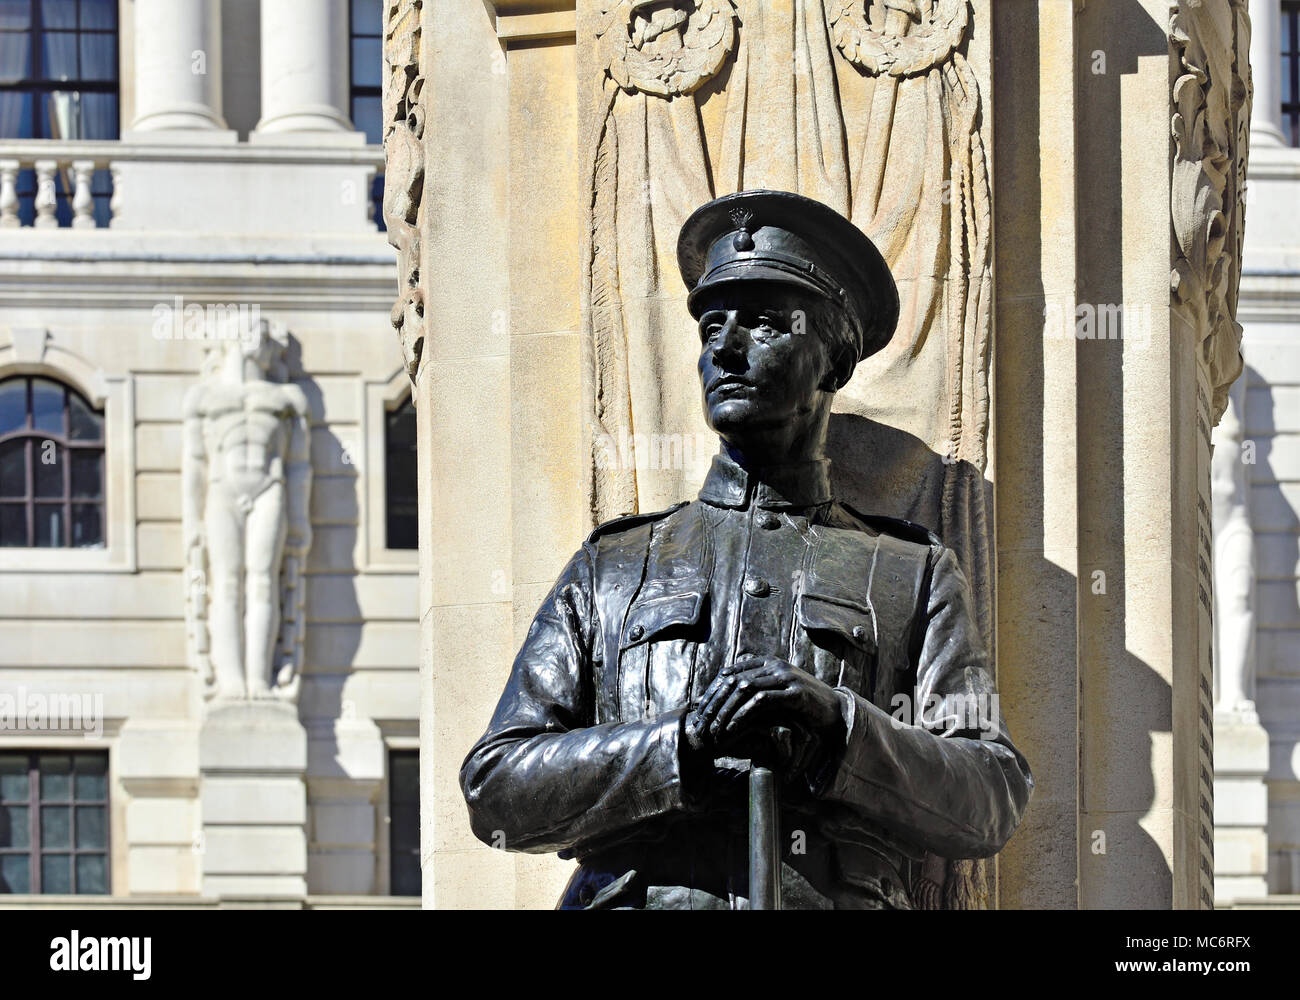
(1257, 580)
(181, 180)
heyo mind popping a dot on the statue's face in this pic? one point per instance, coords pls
(761, 362)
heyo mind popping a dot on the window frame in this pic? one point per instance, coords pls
(31, 351)
(32, 439)
(365, 90)
(381, 398)
(35, 850)
(1290, 72)
(389, 847)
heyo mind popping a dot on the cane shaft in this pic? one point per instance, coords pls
(764, 840)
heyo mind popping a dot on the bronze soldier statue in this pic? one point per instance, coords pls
(764, 623)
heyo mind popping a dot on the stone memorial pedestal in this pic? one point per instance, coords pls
(252, 762)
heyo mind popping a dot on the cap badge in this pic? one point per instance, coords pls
(742, 241)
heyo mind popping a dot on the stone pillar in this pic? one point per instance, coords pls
(1266, 72)
(252, 762)
(304, 70)
(178, 66)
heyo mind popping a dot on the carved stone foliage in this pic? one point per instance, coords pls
(403, 111)
(245, 500)
(1210, 122)
(665, 49)
(936, 33)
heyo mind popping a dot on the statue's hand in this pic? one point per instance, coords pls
(750, 701)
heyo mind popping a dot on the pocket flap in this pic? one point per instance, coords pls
(855, 625)
(647, 618)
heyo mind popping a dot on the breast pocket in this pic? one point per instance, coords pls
(661, 637)
(839, 645)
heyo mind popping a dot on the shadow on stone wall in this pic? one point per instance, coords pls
(1281, 605)
(334, 620)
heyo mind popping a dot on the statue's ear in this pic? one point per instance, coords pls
(840, 369)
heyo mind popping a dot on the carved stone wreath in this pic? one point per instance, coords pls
(635, 43)
(936, 36)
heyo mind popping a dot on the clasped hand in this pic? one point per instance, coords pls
(767, 710)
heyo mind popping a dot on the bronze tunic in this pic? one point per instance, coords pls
(585, 753)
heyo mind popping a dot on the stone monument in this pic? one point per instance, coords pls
(1067, 297)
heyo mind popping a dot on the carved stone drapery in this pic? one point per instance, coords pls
(245, 500)
(1211, 128)
(403, 112)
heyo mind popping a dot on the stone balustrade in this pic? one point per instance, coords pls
(51, 184)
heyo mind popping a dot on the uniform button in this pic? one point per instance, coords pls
(636, 633)
(859, 632)
(768, 521)
(756, 586)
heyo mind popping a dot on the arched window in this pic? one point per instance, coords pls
(400, 477)
(51, 466)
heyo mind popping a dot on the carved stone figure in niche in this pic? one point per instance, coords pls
(763, 631)
(246, 487)
(1234, 569)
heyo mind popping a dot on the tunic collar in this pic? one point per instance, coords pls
(798, 484)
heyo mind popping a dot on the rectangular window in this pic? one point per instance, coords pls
(58, 80)
(1291, 70)
(54, 822)
(404, 822)
(365, 93)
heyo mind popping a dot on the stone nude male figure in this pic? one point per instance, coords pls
(246, 485)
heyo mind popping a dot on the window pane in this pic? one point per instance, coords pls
(86, 478)
(404, 777)
(90, 827)
(13, 525)
(15, 13)
(85, 423)
(92, 776)
(15, 873)
(47, 519)
(92, 874)
(13, 468)
(367, 62)
(47, 406)
(58, 55)
(59, 13)
(56, 826)
(400, 478)
(98, 13)
(368, 116)
(15, 830)
(98, 57)
(56, 777)
(366, 17)
(47, 463)
(56, 873)
(13, 778)
(99, 116)
(15, 109)
(87, 525)
(13, 405)
(15, 65)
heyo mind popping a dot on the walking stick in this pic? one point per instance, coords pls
(765, 831)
